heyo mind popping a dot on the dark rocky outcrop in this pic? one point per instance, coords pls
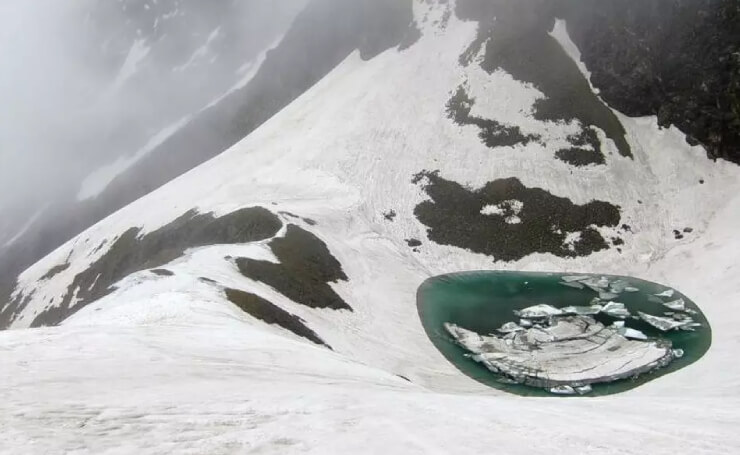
(516, 39)
(676, 59)
(305, 270)
(492, 133)
(133, 252)
(539, 224)
(586, 149)
(162, 272)
(270, 313)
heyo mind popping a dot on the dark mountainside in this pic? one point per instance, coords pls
(676, 59)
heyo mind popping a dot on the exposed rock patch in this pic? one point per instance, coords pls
(492, 133)
(586, 149)
(516, 40)
(678, 60)
(579, 157)
(162, 272)
(133, 252)
(304, 273)
(270, 313)
(54, 271)
(545, 223)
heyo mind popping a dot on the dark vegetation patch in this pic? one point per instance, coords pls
(133, 252)
(305, 270)
(492, 133)
(678, 235)
(390, 215)
(308, 221)
(54, 271)
(579, 156)
(586, 149)
(516, 39)
(453, 217)
(162, 272)
(413, 243)
(270, 313)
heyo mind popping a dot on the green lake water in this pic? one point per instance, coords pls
(483, 301)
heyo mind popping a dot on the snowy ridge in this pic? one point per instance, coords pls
(177, 360)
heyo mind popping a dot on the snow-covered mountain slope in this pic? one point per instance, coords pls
(187, 317)
(98, 89)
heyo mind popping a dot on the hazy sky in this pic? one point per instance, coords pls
(61, 119)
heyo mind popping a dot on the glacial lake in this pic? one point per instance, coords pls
(482, 301)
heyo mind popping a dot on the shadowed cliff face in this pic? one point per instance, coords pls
(679, 60)
(676, 59)
(515, 38)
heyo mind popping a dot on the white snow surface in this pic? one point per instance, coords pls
(167, 364)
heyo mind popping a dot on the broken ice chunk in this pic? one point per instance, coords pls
(677, 353)
(584, 389)
(616, 310)
(631, 289)
(582, 310)
(597, 285)
(563, 390)
(510, 327)
(538, 311)
(677, 305)
(607, 295)
(618, 286)
(574, 284)
(525, 323)
(634, 334)
(571, 278)
(690, 326)
(664, 324)
(627, 332)
(668, 293)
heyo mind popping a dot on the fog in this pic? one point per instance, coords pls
(87, 83)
